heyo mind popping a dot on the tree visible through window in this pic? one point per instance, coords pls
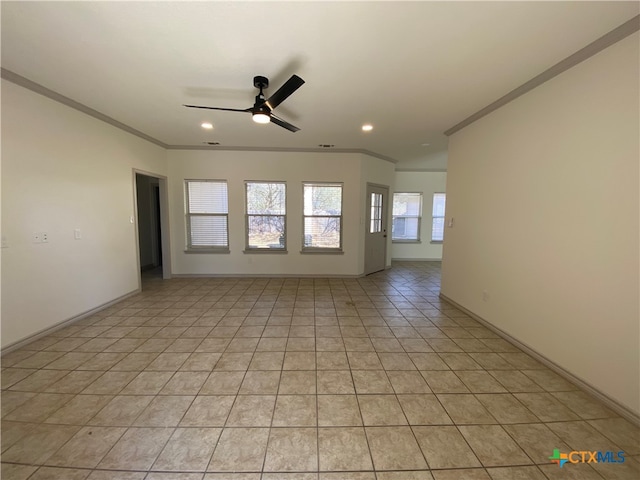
(407, 212)
(207, 212)
(322, 216)
(266, 215)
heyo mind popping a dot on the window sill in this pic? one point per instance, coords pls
(262, 251)
(406, 241)
(207, 250)
(322, 251)
(436, 242)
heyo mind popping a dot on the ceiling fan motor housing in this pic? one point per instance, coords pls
(260, 82)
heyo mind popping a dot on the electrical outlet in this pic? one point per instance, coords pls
(40, 237)
(485, 296)
(5, 242)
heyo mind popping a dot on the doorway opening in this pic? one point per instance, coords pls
(153, 246)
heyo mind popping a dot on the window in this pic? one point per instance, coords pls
(266, 216)
(437, 230)
(207, 215)
(407, 212)
(322, 217)
(376, 213)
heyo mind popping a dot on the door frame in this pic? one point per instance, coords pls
(165, 236)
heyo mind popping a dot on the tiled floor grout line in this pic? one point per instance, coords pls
(315, 347)
(364, 428)
(234, 297)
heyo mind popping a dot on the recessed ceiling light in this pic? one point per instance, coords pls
(426, 144)
(367, 127)
(206, 125)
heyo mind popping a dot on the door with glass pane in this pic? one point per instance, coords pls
(376, 229)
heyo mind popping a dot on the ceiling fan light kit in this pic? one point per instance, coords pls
(261, 118)
(262, 110)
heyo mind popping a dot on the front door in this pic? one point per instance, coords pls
(376, 229)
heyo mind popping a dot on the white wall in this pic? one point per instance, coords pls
(63, 170)
(292, 167)
(433, 161)
(426, 183)
(544, 192)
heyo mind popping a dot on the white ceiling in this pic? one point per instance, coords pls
(412, 69)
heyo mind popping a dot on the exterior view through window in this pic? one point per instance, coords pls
(437, 230)
(322, 216)
(376, 213)
(266, 215)
(407, 212)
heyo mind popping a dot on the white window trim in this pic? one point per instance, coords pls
(258, 250)
(419, 217)
(208, 248)
(434, 217)
(323, 250)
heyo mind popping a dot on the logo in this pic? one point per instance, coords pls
(559, 458)
(586, 456)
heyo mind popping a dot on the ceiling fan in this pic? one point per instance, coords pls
(262, 109)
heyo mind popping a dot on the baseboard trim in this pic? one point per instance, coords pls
(258, 275)
(416, 259)
(613, 404)
(65, 323)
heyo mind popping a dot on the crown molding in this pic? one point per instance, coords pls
(282, 149)
(52, 95)
(37, 88)
(614, 36)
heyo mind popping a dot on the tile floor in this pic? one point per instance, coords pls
(271, 379)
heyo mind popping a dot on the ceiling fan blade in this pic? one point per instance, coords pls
(283, 124)
(290, 86)
(219, 108)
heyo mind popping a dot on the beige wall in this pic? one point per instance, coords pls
(61, 171)
(292, 167)
(544, 196)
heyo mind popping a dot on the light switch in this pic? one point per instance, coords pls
(77, 234)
